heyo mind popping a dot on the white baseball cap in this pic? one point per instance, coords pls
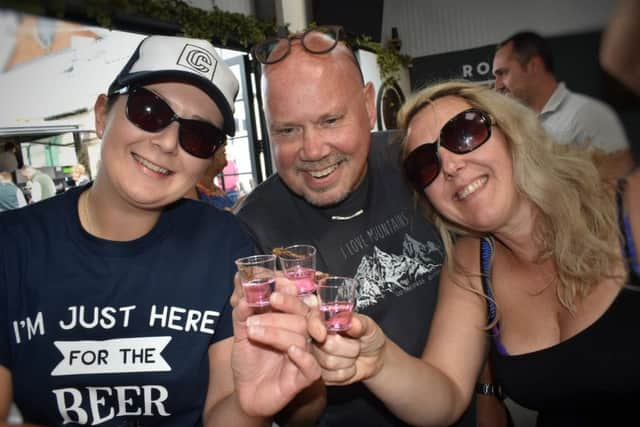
(179, 59)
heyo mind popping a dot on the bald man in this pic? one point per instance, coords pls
(340, 188)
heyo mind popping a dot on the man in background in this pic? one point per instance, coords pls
(11, 197)
(42, 186)
(8, 158)
(523, 67)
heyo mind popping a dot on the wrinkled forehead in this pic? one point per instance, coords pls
(302, 69)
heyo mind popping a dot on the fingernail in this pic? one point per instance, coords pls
(253, 321)
(276, 298)
(290, 289)
(295, 350)
(256, 331)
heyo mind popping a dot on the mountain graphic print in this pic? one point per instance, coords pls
(383, 273)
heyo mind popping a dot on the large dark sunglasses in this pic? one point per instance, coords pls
(149, 112)
(462, 134)
(316, 40)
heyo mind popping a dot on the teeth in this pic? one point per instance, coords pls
(152, 166)
(324, 172)
(471, 188)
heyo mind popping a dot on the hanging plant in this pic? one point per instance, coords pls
(215, 24)
(390, 61)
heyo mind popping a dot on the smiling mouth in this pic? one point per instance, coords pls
(324, 172)
(151, 166)
(471, 188)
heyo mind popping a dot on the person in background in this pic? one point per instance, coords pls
(79, 174)
(618, 50)
(552, 295)
(230, 181)
(11, 196)
(8, 158)
(619, 57)
(339, 188)
(115, 294)
(206, 190)
(523, 67)
(41, 185)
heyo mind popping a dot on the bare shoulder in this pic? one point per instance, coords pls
(633, 204)
(466, 254)
(632, 192)
(633, 181)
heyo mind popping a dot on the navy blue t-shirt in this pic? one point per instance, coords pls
(109, 333)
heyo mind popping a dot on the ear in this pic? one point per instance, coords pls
(370, 103)
(101, 111)
(535, 64)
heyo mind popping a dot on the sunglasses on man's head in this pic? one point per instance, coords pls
(462, 134)
(316, 40)
(149, 112)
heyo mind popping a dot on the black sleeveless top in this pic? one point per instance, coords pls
(592, 378)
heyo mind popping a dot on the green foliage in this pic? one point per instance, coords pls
(389, 60)
(216, 25)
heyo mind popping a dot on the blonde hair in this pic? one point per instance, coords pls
(577, 227)
(79, 169)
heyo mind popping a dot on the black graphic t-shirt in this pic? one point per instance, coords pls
(375, 235)
(114, 333)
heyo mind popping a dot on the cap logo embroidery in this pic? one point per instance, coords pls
(198, 59)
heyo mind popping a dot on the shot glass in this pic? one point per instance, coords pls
(258, 277)
(337, 297)
(298, 263)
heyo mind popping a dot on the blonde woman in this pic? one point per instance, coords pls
(537, 272)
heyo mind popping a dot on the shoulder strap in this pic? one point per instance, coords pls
(628, 246)
(486, 256)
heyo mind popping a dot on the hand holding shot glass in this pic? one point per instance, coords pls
(337, 297)
(258, 276)
(298, 264)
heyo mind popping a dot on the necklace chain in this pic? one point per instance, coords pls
(89, 224)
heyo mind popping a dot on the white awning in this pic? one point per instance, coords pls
(56, 93)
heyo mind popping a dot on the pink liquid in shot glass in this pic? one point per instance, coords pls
(337, 315)
(304, 279)
(258, 291)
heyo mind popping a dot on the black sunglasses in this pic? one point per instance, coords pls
(316, 40)
(149, 112)
(462, 134)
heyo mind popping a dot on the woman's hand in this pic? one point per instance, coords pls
(271, 360)
(351, 356)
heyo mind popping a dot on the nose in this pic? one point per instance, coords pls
(313, 145)
(451, 163)
(167, 139)
(499, 84)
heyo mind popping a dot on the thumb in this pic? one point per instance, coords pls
(368, 332)
(361, 325)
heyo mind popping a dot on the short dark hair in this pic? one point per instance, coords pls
(526, 45)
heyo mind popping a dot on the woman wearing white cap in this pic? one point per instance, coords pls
(114, 296)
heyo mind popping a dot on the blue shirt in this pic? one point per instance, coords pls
(102, 332)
